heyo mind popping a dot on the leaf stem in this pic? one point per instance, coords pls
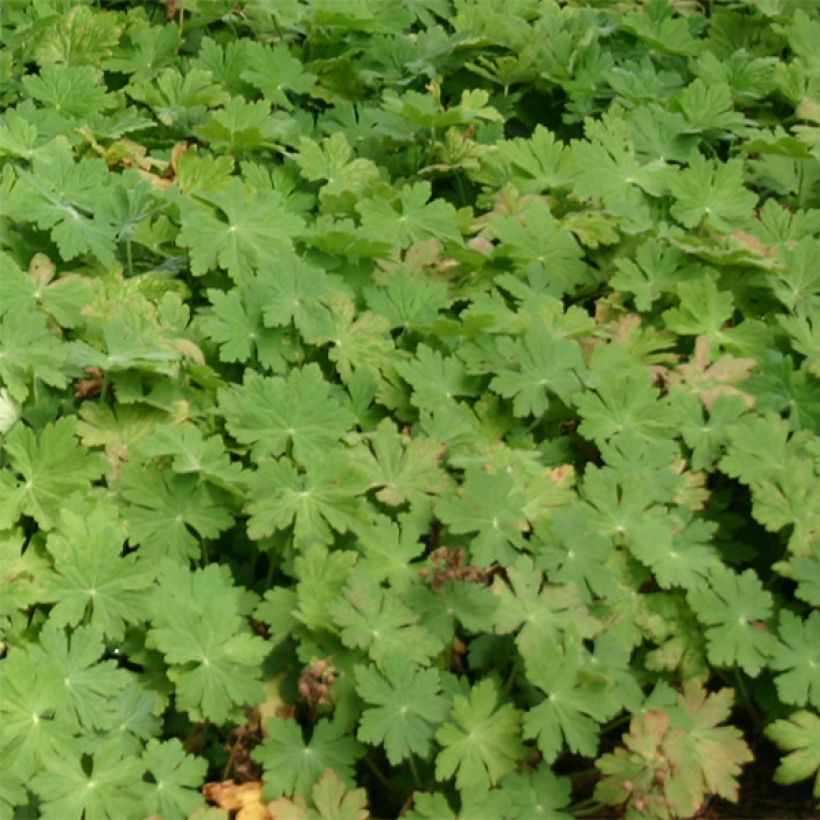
(269, 574)
(414, 770)
(745, 698)
(586, 807)
(376, 772)
(508, 683)
(462, 193)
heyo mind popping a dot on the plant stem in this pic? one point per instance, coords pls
(590, 806)
(511, 676)
(745, 698)
(462, 193)
(414, 770)
(269, 575)
(376, 772)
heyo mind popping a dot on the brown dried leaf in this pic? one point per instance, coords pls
(245, 799)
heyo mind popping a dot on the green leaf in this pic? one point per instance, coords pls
(540, 613)
(214, 660)
(357, 342)
(90, 684)
(256, 233)
(572, 707)
(482, 742)
(74, 91)
(622, 402)
(703, 310)
(45, 470)
(30, 352)
(416, 218)
(373, 619)
(800, 736)
(234, 322)
(326, 497)
(242, 126)
(276, 71)
(807, 573)
(709, 107)
(388, 549)
(564, 563)
(434, 378)
(112, 787)
(656, 270)
(797, 658)
(176, 777)
(300, 412)
(536, 242)
(406, 704)
(346, 178)
(36, 725)
(734, 608)
(536, 793)
(71, 199)
(405, 469)
(163, 509)
(192, 454)
(408, 302)
(293, 765)
(93, 581)
(544, 364)
(489, 505)
(711, 193)
(322, 577)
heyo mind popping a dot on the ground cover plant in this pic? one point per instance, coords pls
(408, 407)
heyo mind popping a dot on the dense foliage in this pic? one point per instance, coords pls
(411, 405)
